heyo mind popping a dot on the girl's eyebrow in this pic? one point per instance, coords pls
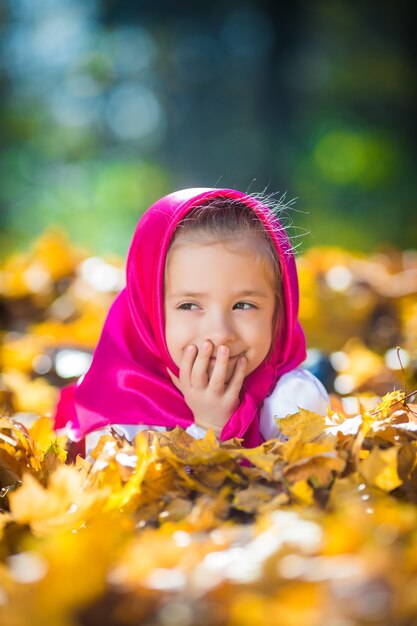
(246, 293)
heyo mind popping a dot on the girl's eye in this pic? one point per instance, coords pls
(187, 306)
(244, 306)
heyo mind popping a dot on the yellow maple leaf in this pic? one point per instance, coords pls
(380, 468)
(306, 425)
(181, 447)
(66, 503)
(264, 457)
(303, 492)
(43, 433)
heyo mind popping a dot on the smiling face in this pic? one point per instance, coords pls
(223, 292)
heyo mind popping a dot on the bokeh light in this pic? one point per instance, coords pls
(316, 102)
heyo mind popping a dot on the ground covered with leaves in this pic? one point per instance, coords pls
(317, 529)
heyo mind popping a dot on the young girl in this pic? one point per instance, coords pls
(205, 334)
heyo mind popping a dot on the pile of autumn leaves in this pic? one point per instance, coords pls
(319, 528)
(314, 530)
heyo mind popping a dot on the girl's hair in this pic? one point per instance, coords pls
(222, 220)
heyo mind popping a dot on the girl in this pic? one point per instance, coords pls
(205, 334)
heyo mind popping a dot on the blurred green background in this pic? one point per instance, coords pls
(108, 104)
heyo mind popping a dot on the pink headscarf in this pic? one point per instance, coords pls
(127, 382)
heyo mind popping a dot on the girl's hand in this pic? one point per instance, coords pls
(211, 401)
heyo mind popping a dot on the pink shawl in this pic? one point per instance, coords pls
(127, 382)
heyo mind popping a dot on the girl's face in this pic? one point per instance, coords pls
(223, 293)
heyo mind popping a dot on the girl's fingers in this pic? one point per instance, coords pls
(235, 383)
(199, 375)
(219, 373)
(187, 364)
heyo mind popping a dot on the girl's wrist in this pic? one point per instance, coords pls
(207, 425)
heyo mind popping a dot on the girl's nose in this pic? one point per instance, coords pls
(221, 331)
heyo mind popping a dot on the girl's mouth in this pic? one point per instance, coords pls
(231, 358)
